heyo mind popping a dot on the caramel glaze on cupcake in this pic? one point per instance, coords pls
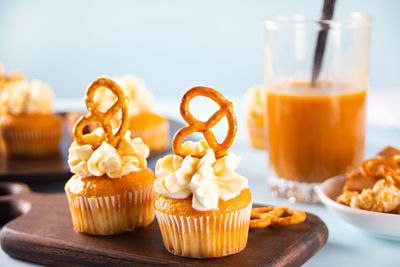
(27, 125)
(184, 207)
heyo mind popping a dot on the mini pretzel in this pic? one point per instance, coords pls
(262, 217)
(369, 169)
(104, 118)
(265, 216)
(394, 162)
(226, 109)
(377, 169)
(294, 217)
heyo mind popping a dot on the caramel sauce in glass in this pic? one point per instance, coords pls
(315, 132)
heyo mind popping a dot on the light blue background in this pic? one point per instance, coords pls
(172, 44)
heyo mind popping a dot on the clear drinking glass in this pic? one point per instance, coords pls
(315, 131)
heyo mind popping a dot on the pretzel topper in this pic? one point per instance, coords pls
(103, 118)
(204, 127)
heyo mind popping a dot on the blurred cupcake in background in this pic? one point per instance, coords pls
(7, 78)
(255, 105)
(153, 129)
(27, 125)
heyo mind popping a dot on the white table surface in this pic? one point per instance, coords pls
(346, 246)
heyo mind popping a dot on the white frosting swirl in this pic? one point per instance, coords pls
(140, 98)
(255, 100)
(22, 97)
(207, 179)
(129, 156)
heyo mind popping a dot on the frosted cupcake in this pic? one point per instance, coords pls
(7, 78)
(112, 190)
(152, 128)
(27, 125)
(202, 205)
(255, 105)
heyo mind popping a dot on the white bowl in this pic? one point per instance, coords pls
(382, 225)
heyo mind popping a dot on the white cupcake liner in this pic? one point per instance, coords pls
(112, 214)
(207, 236)
(32, 143)
(257, 136)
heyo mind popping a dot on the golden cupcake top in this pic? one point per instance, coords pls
(106, 151)
(23, 97)
(184, 207)
(145, 120)
(255, 100)
(376, 185)
(100, 186)
(139, 97)
(204, 170)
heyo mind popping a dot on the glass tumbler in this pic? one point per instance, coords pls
(315, 116)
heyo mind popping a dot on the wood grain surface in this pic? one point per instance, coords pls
(54, 167)
(44, 234)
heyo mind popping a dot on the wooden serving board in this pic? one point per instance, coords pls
(54, 167)
(44, 234)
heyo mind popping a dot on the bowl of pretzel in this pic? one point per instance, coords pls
(368, 198)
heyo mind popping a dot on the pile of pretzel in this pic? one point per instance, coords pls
(382, 168)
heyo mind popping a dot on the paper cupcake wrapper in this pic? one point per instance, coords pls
(257, 136)
(112, 214)
(207, 236)
(156, 137)
(31, 143)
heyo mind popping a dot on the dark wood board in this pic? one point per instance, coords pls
(44, 234)
(55, 167)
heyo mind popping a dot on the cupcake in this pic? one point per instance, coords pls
(112, 189)
(202, 205)
(152, 128)
(13, 77)
(27, 125)
(255, 104)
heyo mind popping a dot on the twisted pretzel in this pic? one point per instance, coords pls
(262, 217)
(226, 109)
(104, 118)
(394, 162)
(377, 169)
(265, 216)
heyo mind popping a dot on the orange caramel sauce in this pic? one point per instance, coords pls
(315, 133)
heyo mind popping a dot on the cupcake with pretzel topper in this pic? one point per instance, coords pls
(203, 207)
(112, 189)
